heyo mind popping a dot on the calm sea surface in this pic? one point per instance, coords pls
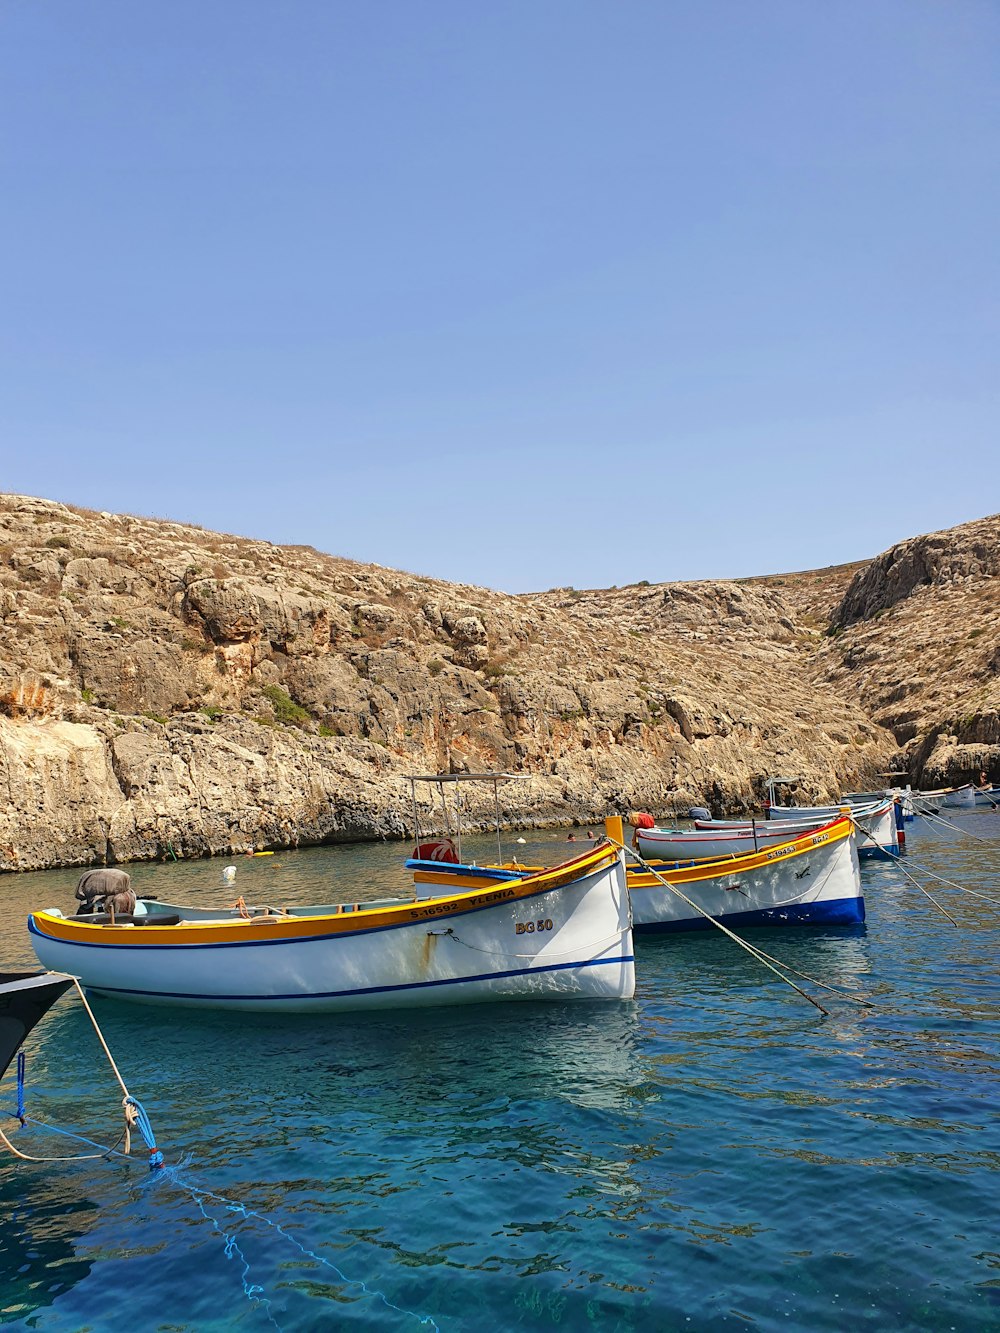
(713, 1155)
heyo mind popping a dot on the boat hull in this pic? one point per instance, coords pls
(813, 881)
(877, 834)
(508, 942)
(705, 844)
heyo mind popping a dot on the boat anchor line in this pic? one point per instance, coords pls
(253, 1291)
(133, 1110)
(772, 964)
(949, 823)
(912, 878)
(951, 884)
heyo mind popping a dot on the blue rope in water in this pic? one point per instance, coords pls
(20, 1086)
(252, 1290)
(198, 1193)
(146, 1130)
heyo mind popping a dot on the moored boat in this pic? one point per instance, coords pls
(876, 823)
(962, 798)
(810, 879)
(711, 843)
(561, 933)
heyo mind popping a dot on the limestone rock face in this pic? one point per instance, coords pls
(170, 691)
(968, 553)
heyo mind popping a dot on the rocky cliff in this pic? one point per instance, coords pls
(167, 690)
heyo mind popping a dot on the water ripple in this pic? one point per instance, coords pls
(714, 1155)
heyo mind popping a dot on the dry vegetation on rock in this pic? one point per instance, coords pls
(166, 687)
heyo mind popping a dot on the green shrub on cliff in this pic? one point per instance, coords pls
(286, 710)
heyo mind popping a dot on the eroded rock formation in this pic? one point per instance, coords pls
(169, 690)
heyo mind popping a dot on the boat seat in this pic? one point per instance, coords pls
(127, 919)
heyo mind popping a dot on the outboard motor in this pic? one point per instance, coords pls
(699, 812)
(97, 890)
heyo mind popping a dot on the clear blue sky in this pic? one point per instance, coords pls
(520, 293)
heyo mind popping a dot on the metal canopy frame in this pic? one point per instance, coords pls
(441, 780)
(772, 783)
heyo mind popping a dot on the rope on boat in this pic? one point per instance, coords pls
(75, 1157)
(20, 1113)
(134, 1112)
(895, 861)
(949, 823)
(751, 949)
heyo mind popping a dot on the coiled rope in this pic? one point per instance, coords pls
(133, 1111)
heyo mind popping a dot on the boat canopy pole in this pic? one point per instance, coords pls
(496, 806)
(416, 813)
(440, 781)
(446, 830)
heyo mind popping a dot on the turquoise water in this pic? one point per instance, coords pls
(713, 1155)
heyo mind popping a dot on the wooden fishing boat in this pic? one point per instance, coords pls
(811, 879)
(966, 797)
(962, 798)
(704, 843)
(814, 879)
(878, 831)
(562, 933)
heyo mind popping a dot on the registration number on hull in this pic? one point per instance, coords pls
(532, 927)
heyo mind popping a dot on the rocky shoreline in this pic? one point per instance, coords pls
(170, 691)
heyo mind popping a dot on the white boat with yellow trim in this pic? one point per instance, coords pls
(707, 844)
(562, 933)
(876, 822)
(812, 879)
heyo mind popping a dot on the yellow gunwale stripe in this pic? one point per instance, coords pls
(346, 923)
(782, 851)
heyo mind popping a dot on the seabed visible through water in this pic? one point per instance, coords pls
(713, 1155)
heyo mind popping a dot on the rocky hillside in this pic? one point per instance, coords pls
(164, 689)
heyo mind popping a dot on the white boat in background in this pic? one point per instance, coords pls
(562, 933)
(811, 879)
(966, 797)
(876, 823)
(703, 844)
(962, 798)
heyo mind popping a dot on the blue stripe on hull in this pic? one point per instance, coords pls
(883, 849)
(837, 912)
(360, 990)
